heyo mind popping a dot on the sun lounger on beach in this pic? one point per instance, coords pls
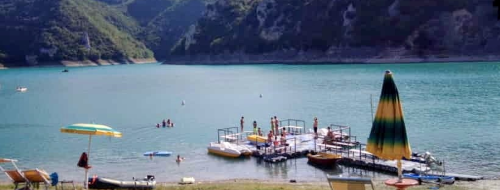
(37, 176)
(349, 183)
(16, 177)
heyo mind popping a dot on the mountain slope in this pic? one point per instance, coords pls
(163, 22)
(341, 28)
(53, 30)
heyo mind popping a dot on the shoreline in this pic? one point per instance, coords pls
(282, 184)
(255, 60)
(83, 63)
(259, 61)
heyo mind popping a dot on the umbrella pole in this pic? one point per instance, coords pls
(400, 172)
(86, 182)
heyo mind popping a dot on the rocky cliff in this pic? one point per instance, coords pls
(242, 30)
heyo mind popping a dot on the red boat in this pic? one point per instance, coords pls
(323, 159)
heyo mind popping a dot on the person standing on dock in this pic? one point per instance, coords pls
(315, 127)
(272, 124)
(255, 127)
(242, 122)
(276, 125)
(270, 137)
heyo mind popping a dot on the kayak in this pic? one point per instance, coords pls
(158, 153)
(108, 183)
(430, 178)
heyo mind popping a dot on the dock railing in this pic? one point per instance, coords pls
(293, 126)
(228, 134)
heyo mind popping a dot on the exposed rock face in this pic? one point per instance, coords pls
(316, 29)
(190, 37)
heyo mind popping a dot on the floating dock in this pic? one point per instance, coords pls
(302, 143)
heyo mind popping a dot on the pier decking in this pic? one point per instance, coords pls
(352, 152)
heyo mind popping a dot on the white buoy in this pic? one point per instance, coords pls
(183, 102)
(260, 96)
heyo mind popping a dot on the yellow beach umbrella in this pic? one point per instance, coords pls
(388, 138)
(90, 129)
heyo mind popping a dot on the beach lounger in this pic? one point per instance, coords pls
(349, 183)
(14, 175)
(17, 178)
(38, 176)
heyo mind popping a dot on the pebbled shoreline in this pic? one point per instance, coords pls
(249, 60)
(84, 63)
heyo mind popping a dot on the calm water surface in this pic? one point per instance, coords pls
(450, 110)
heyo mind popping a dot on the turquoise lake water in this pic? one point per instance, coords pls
(451, 110)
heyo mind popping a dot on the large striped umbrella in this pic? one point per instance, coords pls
(388, 138)
(90, 129)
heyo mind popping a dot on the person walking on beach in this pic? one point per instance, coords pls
(272, 124)
(315, 127)
(242, 122)
(163, 123)
(255, 127)
(276, 125)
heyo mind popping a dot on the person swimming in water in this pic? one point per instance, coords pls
(168, 122)
(179, 158)
(157, 125)
(163, 123)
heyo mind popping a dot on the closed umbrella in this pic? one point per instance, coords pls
(388, 138)
(90, 129)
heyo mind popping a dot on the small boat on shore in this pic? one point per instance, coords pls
(228, 150)
(430, 178)
(107, 183)
(21, 89)
(158, 153)
(323, 159)
(256, 138)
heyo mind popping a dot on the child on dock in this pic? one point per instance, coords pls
(272, 124)
(276, 125)
(315, 127)
(270, 137)
(255, 127)
(242, 122)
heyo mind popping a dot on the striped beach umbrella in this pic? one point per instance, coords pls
(388, 138)
(90, 129)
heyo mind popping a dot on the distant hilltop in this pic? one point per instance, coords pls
(39, 32)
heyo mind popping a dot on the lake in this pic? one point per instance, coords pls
(451, 110)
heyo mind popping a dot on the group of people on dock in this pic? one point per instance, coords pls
(164, 124)
(257, 131)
